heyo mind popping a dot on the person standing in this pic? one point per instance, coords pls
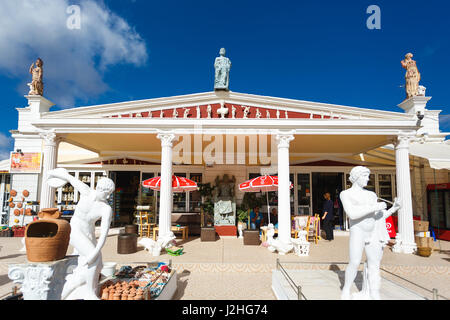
(328, 216)
(274, 217)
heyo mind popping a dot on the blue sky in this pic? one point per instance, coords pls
(136, 49)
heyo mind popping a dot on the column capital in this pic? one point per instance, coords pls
(402, 141)
(166, 138)
(50, 138)
(284, 138)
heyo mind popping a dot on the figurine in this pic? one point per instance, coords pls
(222, 66)
(175, 113)
(233, 112)
(258, 114)
(412, 76)
(278, 113)
(209, 110)
(186, 113)
(275, 244)
(199, 115)
(161, 115)
(37, 84)
(367, 232)
(246, 111)
(92, 206)
(267, 114)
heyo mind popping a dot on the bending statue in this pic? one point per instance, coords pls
(275, 244)
(412, 76)
(37, 84)
(367, 232)
(154, 247)
(91, 207)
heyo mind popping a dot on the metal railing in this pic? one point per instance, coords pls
(298, 289)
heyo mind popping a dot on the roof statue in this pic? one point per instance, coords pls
(37, 85)
(412, 76)
(222, 66)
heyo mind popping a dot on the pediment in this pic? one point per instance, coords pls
(230, 105)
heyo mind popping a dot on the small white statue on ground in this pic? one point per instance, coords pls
(155, 247)
(91, 207)
(275, 244)
(367, 232)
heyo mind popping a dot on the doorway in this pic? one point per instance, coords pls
(125, 196)
(333, 183)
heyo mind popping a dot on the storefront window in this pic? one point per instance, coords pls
(385, 186)
(179, 198)
(195, 199)
(303, 194)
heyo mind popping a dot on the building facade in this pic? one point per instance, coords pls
(202, 136)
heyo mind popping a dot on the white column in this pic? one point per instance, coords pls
(284, 203)
(165, 210)
(50, 154)
(405, 214)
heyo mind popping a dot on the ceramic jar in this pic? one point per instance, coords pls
(48, 238)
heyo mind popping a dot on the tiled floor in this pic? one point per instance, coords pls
(226, 269)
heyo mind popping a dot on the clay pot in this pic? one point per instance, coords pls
(49, 213)
(13, 193)
(25, 193)
(17, 212)
(12, 205)
(20, 205)
(47, 239)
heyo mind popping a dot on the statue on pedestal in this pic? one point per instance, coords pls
(92, 206)
(367, 232)
(224, 201)
(37, 84)
(222, 66)
(412, 76)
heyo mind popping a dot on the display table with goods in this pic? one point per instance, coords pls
(155, 281)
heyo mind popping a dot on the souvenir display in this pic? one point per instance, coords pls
(136, 283)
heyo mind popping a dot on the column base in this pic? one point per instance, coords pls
(407, 248)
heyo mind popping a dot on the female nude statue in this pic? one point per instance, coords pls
(91, 207)
(367, 231)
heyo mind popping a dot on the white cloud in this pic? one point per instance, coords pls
(6, 145)
(74, 60)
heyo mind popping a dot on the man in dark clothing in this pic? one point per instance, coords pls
(328, 216)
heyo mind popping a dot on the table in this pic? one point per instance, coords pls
(184, 230)
(264, 234)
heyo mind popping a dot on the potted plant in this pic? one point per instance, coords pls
(207, 205)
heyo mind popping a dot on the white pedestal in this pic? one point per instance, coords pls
(42, 280)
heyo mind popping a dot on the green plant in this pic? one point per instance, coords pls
(242, 215)
(205, 189)
(251, 201)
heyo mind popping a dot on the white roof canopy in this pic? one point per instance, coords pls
(438, 154)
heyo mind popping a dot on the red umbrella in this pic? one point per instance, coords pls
(179, 184)
(262, 184)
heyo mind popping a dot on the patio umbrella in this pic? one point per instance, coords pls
(179, 184)
(262, 184)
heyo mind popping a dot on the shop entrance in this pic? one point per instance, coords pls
(125, 196)
(331, 182)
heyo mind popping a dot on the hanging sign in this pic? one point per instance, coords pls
(29, 162)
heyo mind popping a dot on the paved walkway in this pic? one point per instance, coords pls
(226, 269)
